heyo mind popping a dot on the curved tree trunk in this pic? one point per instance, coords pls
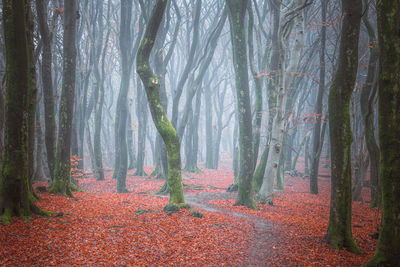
(160, 119)
(339, 233)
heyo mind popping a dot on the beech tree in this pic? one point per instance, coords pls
(50, 120)
(339, 233)
(15, 195)
(282, 84)
(236, 12)
(62, 182)
(388, 248)
(160, 118)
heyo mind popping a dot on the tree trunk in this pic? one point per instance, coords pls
(339, 233)
(121, 152)
(209, 131)
(61, 181)
(258, 89)
(15, 196)
(274, 66)
(388, 248)
(236, 14)
(50, 122)
(317, 137)
(160, 118)
(367, 98)
(141, 113)
(282, 87)
(99, 99)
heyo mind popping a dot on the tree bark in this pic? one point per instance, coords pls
(49, 122)
(160, 119)
(388, 248)
(368, 94)
(282, 86)
(62, 181)
(236, 14)
(15, 196)
(121, 151)
(317, 136)
(339, 233)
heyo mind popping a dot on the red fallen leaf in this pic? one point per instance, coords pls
(294, 236)
(60, 10)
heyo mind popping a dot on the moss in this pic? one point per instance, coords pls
(196, 213)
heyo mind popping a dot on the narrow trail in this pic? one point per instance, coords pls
(265, 233)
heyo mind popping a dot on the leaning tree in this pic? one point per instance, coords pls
(160, 118)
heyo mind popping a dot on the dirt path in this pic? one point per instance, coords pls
(264, 234)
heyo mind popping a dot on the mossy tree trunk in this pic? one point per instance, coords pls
(339, 233)
(317, 139)
(61, 183)
(367, 99)
(15, 196)
(50, 122)
(160, 118)
(236, 14)
(388, 248)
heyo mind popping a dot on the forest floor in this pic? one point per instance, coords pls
(100, 227)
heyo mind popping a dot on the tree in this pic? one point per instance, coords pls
(339, 233)
(318, 138)
(273, 66)
(15, 196)
(50, 120)
(121, 152)
(368, 94)
(62, 183)
(236, 12)
(388, 248)
(282, 86)
(160, 118)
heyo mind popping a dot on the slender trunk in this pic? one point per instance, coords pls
(209, 131)
(368, 94)
(121, 152)
(63, 165)
(317, 137)
(50, 122)
(282, 86)
(141, 113)
(339, 233)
